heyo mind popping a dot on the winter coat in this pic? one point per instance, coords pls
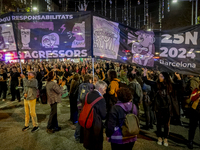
(116, 118)
(93, 137)
(170, 99)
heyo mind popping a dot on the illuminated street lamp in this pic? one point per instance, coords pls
(35, 8)
(196, 11)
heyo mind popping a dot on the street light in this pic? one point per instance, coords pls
(34, 8)
(196, 11)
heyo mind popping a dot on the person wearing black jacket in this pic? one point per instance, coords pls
(165, 103)
(116, 120)
(93, 137)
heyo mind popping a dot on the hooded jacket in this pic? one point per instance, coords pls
(116, 118)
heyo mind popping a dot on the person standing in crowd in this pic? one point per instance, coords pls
(116, 119)
(93, 137)
(147, 103)
(194, 114)
(73, 96)
(165, 103)
(100, 74)
(54, 92)
(3, 83)
(15, 82)
(30, 95)
(113, 87)
(136, 89)
(83, 89)
(96, 79)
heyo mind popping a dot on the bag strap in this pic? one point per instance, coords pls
(86, 98)
(96, 100)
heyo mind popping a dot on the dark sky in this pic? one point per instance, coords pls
(179, 15)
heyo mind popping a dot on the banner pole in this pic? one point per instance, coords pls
(93, 68)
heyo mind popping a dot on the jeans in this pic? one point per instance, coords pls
(163, 119)
(29, 106)
(194, 119)
(53, 121)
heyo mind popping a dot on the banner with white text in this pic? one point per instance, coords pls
(51, 35)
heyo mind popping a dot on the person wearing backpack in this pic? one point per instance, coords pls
(83, 89)
(93, 125)
(120, 133)
(165, 102)
(136, 90)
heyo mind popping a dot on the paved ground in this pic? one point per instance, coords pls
(12, 138)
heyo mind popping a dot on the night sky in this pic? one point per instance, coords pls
(179, 15)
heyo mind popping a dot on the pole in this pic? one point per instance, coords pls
(93, 68)
(135, 18)
(196, 14)
(130, 21)
(127, 13)
(110, 9)
(115, 10)
(105, 7)
(101, 7)
(192, 21)
(144, 13)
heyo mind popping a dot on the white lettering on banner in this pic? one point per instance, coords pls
(69, 53)
(42, 54)
(191, 38)
(38, 17)
(179, 38)
(174, 52)
(61, 53)
(178, 64)
(84, 53)
(35, 54)
(55, 53)
(6, 19)
(27, 55)
(77, 53)
(48, 54)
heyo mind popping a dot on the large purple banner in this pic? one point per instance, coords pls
(50, 35)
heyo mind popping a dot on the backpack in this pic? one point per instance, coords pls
(130, 127)
(87, 114)
(84, 89)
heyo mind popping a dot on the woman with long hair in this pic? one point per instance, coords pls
(54, 92)
(165, 103)
(73, 96)
(112, 88)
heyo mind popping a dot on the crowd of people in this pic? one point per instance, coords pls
(120, 89)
